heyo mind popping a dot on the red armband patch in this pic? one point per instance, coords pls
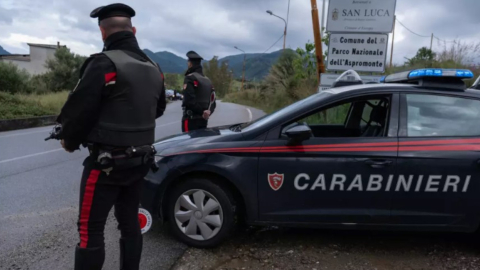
(110, 78)
(195, 83)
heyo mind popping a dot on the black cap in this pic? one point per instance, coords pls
(113, 10)
(193, 56)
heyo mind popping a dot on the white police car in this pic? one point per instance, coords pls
(402, 154)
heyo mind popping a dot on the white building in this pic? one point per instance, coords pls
(33, 63)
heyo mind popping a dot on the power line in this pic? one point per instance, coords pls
(442, 40)
(273, 44)
(411, 30)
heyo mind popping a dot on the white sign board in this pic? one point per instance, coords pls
(361, 16)
(327, 79)
(360, 52)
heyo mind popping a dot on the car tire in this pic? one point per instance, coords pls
(192, 226)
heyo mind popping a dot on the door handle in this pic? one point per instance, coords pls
(378, 163)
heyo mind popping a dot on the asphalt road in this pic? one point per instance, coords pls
(39, 193)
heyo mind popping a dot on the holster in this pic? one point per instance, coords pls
(118, 159)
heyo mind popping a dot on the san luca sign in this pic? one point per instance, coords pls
(361, 16)
(361, 52)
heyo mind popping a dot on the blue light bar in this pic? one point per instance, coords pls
(429, 72)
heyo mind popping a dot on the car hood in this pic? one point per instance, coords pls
(195, 137)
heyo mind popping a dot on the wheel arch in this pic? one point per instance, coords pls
(214, 176)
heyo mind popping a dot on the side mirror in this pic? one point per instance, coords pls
(299, 133)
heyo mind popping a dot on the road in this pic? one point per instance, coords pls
(39, 193)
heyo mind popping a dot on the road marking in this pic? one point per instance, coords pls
(24, 133)
(32, 155)
(249, 115)
(168, 124)
(51, 151)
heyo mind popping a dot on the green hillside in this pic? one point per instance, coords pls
(257, 65)
(2, 51)
(169, 62)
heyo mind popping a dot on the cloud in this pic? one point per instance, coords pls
(214, 27)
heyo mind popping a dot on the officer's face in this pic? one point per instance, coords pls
(189, 64)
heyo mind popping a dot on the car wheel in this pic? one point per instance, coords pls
(201, 213)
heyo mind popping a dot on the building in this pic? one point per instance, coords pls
(33, 63)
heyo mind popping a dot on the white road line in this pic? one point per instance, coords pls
(249, 115)
(51, 151)
(25, 133)
(168, 124)
(32, 155)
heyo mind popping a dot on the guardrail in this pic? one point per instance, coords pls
(21, 123)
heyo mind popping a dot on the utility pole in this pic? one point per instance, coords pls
(243, 70)
(318, 39)
(393, 39)
(431, 42)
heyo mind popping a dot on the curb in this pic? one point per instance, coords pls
(21, 123)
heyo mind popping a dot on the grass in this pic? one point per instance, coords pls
(31, 105)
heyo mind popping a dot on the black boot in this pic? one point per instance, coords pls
(130, 253)
(89, 258)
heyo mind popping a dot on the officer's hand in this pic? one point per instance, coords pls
(206, 114)
(63, 145)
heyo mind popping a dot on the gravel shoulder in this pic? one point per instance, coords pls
(273, 248)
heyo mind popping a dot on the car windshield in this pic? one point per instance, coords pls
(269, 117)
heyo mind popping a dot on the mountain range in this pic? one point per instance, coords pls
(257, 65)
(2, 51)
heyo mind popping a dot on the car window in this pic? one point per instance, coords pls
(287, 110)
(362, 117)
(434, 115)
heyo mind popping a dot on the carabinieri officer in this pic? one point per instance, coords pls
(112, 111)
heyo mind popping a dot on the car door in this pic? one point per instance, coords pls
(340, 174)
(438, 167)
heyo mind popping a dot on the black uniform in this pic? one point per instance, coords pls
(196, 97)
(112, 109)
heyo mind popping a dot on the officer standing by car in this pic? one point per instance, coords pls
(112, 111)
(198, 89)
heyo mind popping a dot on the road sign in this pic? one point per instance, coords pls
(360, 52)
(327, 79)
(361, 16)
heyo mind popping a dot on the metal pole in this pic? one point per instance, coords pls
(284, 36)
(323, 14)
(393, 39)
(318, 40)
(431, 42)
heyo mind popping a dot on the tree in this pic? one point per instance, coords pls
(173, 81)
(305, 65)
(12, 79)
(64, 69)
(220, 76)
(282, 76)
(424, 57)
(326, 41)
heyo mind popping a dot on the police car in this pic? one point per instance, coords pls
(400, 154)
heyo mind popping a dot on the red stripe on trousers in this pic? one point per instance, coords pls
(185, 125)
(110, 77)
(87, 206)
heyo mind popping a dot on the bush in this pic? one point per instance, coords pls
(22, 105)
(12, 79)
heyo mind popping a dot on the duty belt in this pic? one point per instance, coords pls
(108, 158)
(190, 115)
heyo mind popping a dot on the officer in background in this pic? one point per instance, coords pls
(112, 111)
(196, 95)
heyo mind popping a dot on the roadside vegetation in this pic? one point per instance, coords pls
(23, 95)
(293, 77)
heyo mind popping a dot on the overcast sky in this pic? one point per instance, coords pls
(214, 27)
